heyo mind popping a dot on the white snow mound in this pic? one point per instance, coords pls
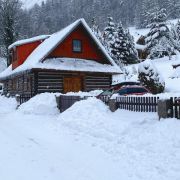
(7, 104)
(42, 104)
(89, 116)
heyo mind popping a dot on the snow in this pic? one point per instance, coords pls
(165, 68)
(137, 33)
(65, 64)
(30, 40)
(176, 73)
(7, 105)
(140, 47)
(83, 94)
(76, 65)
(43, 104)
(86, 142)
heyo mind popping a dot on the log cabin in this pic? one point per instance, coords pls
(70, 60)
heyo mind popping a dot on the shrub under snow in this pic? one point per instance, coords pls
(150, 77)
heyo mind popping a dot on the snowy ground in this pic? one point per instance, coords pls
(87, 142)
(165, 68)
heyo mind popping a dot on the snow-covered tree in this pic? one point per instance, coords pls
(109, 34)
(9, 21)
(144, 11)
(159, 40)
(175, 29)
(133, 54)
(122, 48)
(150, 77)
(173, 8)
(95, 29)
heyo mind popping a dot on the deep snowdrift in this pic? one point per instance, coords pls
(43, 104)
(7, 104)
(86, 142)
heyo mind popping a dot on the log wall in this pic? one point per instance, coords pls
(40, 81)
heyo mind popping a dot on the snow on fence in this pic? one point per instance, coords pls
(137, 104)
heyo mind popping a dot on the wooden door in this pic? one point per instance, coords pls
(72, 84)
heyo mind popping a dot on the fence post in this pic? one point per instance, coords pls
(113, 105)
(58, 102)
(164, 108)
(18, 99)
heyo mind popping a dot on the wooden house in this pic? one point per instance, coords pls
(72, 59)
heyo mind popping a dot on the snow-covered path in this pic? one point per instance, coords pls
(87, 142)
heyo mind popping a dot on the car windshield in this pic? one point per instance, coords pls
(133, 90)
(108, 92)
(1, 87)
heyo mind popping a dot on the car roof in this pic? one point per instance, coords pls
(135, 86)
(127, 83)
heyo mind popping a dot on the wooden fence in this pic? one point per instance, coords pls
(23, 98)
(138, 104)
(175, 107)
(65, 102)
(105, 99)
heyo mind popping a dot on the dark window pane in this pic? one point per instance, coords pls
(77, 46)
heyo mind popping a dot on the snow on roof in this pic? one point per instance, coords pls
(44, 49)
(35, 59)
(30, 40)
(66, 64)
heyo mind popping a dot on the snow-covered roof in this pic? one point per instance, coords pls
(30, 40)
(66, 64)
(37, 57)
(44, 49)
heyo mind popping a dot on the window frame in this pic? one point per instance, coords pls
(73, 46)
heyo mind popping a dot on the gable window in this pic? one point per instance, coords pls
(77, 46)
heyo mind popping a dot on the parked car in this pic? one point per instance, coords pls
(126, 83)
(132, 90)
(125, 89)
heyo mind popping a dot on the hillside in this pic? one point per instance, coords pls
(163, 65)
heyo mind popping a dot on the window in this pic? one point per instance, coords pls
(77, 46)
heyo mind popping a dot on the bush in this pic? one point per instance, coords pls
(150, 77)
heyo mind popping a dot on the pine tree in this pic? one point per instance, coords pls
(144, 11)
(123, 49)
(109, 34)
(150, 77)
(133, 55)
(174, 31)
(173, 8)
(159, 40)
(96, 31)
(9, 19)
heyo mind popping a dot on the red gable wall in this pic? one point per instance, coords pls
(22, 52)
(89, 48)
